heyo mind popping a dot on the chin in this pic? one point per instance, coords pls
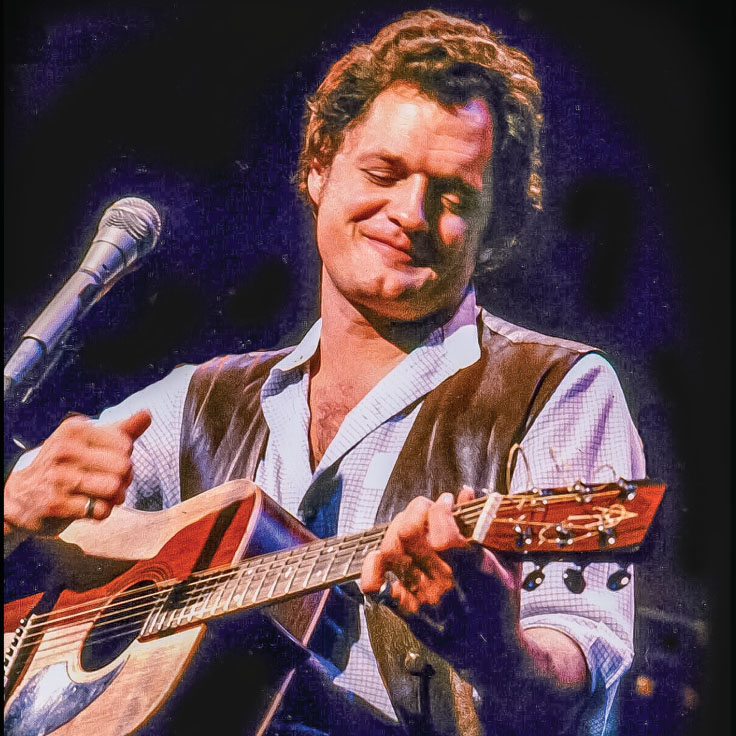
(404, 306)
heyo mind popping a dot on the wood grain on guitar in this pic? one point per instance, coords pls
(72, 661)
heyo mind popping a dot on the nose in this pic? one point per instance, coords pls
(407, 204)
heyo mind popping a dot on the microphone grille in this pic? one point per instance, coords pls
(137, 217)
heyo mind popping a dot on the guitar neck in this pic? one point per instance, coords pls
(579, 518)
(259, 581)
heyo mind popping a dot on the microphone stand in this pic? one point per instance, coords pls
(18, 393)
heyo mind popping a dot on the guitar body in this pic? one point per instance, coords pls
(228, 675)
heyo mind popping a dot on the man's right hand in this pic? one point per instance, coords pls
(80, 461)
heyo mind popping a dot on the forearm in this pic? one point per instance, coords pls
(556, 659)
(539, 684)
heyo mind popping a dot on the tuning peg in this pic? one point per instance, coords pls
(523, 536)
(583, 492)
(534, 579)
(619, 579)
(564, 537)
(627, 490)
(574, 580)
(606, 536)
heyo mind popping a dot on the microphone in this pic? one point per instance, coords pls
(128, 231)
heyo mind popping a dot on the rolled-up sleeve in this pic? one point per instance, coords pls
(584, 432)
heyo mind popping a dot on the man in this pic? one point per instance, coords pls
(420, 158)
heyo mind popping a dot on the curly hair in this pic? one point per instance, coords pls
(452, 60)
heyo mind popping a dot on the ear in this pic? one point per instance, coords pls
(316, 181)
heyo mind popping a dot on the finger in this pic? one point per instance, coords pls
(136, 424)
(424, 588)
(118, 436)
(404, 538)
(442, 530)
(106, 486)
(429, 591)
(103, 460)
(373, 572)
(466, 494)
(406, 602)
(78, 505)
(409, 528)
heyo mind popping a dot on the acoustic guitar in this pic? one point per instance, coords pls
(121, 645)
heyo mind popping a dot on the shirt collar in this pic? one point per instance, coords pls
(459, 337)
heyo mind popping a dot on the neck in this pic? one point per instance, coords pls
(356, 341)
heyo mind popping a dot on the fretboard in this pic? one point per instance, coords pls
(261, 580)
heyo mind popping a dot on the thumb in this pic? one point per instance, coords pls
(136, 424)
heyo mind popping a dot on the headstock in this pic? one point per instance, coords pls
(564, 521)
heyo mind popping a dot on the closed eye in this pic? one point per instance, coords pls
(459, 204)
(452, 203)
(381, 177)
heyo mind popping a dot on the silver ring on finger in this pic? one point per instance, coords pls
(89, 508)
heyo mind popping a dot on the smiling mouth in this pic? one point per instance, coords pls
(391, 251)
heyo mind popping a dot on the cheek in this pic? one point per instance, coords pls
(349, 199)
(453, 230)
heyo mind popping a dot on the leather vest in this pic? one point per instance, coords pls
(462, 435)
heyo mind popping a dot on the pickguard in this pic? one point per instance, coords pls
(51, 698)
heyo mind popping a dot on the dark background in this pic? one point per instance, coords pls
(198, 108)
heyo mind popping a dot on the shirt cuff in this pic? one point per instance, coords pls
(608, 657)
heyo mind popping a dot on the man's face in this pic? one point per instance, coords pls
(401, 208)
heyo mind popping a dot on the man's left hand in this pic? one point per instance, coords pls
(411, 549)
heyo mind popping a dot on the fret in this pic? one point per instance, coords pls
(276, 579)
(253, 578)
(161, 622)
(299, 568)
(166, 619)
(236, 583)
(309, 573)
(290, 576)
(181, 611)
(350, 560)
(190, 606)
(329, 551)
(254, 598)
(151, 622)
(200, 598)
(221, 585)
(248, 579)
(210, 590)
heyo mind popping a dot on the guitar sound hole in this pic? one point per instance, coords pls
(117, 627)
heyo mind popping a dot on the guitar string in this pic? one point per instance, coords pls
(258, 564)
(67, 641)
(302, 552)
(465, 510)
(194, 594)
(195, 590)
(132, 625)
(207, 588)
(138, 619)
(209, 582)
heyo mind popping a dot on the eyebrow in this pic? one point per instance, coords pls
(455, 184)
(385, 157)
